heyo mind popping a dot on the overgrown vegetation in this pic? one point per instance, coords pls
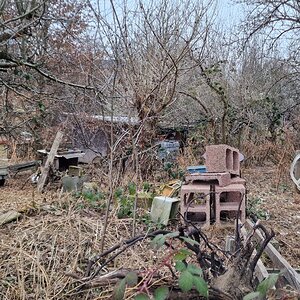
(255, 211)
(120, 77)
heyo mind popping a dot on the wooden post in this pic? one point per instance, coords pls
(49, 161)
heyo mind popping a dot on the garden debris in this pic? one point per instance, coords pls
(75, 171)
(73, 183)
(49, 257)
(289, 273)
(170, 189)
(168, 150)
(49, 161)
(163, 209)
(295, 170)
(64, 159)
(21, 167)
(280, 206)
(54, 246)
(3, 175)
(3, 161)
(9, 217)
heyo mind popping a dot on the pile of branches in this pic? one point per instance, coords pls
(230, 275)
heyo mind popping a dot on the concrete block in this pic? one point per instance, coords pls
(74, 171)
(222, 179)
(73, 184)
(237, 179)
(228, 199)
(195, 202)
(222, 158)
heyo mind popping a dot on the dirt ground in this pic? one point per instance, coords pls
(270, 195)
(277, 198)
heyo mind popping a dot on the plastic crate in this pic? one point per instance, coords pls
(196, 169)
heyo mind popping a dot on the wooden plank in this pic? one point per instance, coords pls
(18, 168)
(260, 270)
(279, 262)
(49, 161)
(9, 216)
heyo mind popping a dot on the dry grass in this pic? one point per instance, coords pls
(39, 251)
(259, 152)
(282, 204)
(56, 236)
(189, 159)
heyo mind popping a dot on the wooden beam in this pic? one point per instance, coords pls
(49, 161)
(279, 262)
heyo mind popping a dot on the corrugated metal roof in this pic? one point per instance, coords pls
(67, 155)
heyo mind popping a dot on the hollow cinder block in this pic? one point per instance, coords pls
(222, 158)
(228, 199)
(195, 201)
(222, 179)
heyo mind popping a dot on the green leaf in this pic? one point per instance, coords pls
(185, 251)
(161, 293)
(172, 234)
(182, 254)
(190, 241)
(41, 105)
(201, 286)
(119, 290)
(158, 241)
(267, 283)
(185, 281)
(251, 296)
(194, 270)
(131, 279)
(141, 297)
(132, 188)
(118, 193)
(180, 266)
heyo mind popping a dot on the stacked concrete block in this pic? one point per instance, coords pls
(222, 179)
(222, 182)
(222, 158)
(231, 198)
(195, 202)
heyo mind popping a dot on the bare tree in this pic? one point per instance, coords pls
(272, 28)
(44, 62)
(154, 41)
(275, 19)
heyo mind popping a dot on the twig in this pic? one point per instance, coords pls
(237, 227)
(128, 242)
(268, 237)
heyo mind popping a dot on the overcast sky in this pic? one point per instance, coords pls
(228, 12)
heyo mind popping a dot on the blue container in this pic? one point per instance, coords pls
(196, 169)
